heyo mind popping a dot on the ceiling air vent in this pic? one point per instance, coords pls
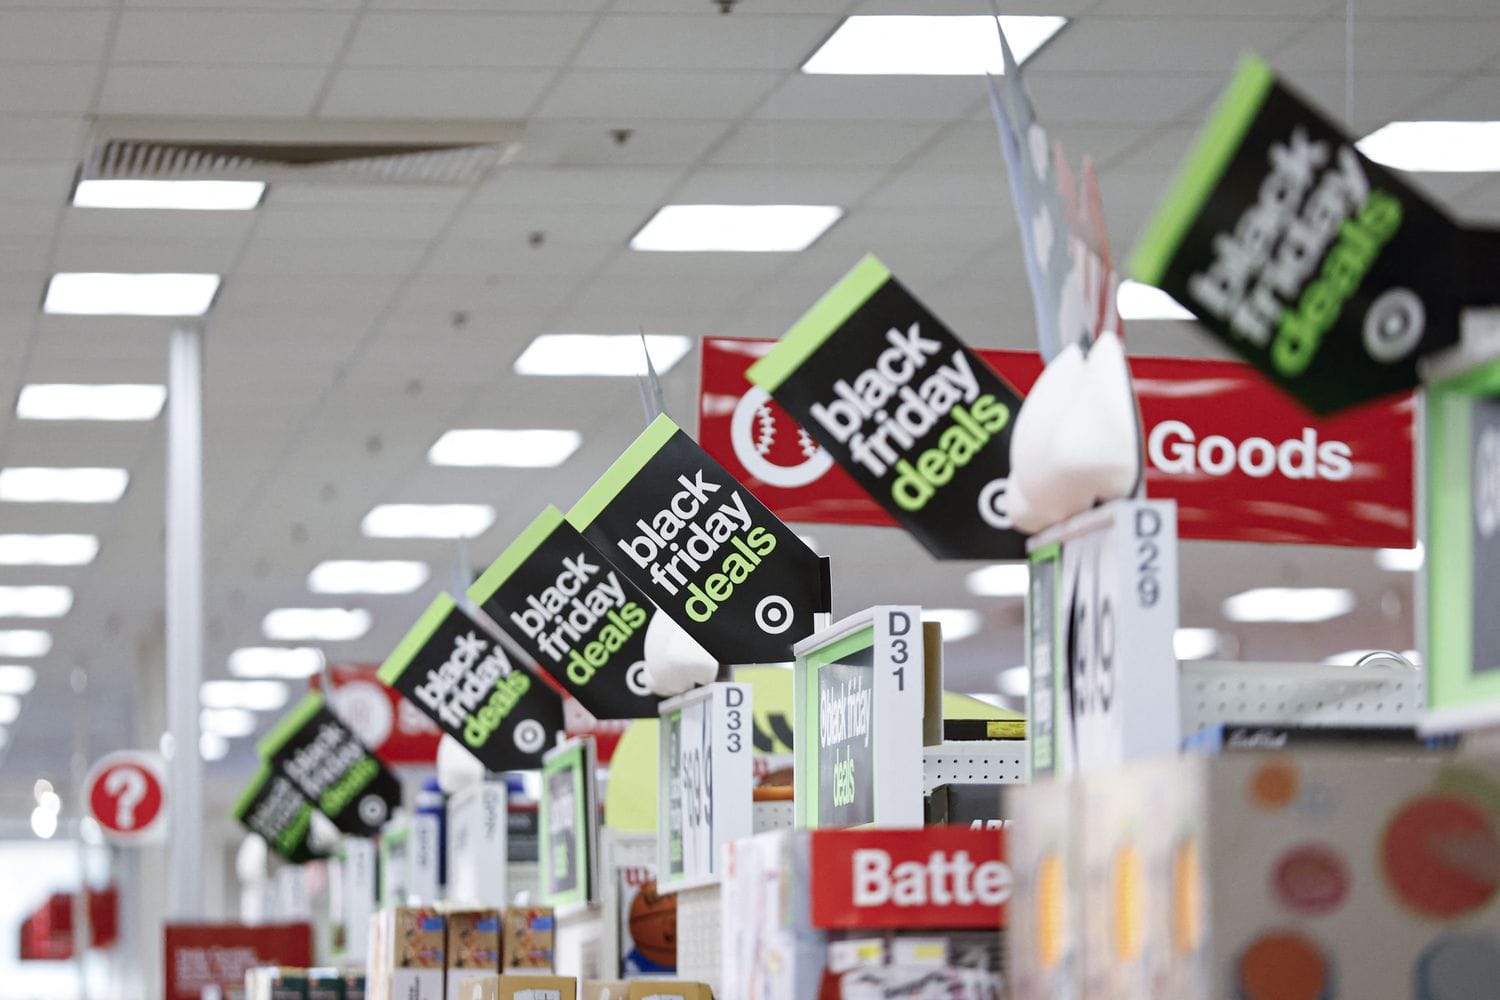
(362, 152)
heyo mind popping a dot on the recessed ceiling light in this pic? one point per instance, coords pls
(10, 709)
(735, 228)
(257, 696)
(289, 662)
(929, 45)
(958, 623)
(43, 823)
(26, 643)
(35, 601)
(1015, 682)
(48, 550)
(16, 678)
(1289, 604)
(92, 293)
(1401, 560)
(1195, 643)
(1137, 300)
(81, 485)
(49, 401)
(517, 449)
(358, 576)
(230, 723)
(428, 520)
(315, 624)
(600, 354)
(212, 747)
(1435, 147)
(1000, 580)
(197, 196)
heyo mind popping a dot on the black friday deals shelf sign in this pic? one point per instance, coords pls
(457, 675)
(575, 614)
(710, 554)
(272, 807)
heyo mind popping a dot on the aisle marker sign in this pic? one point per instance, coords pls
(328, 764)
(125, 793)
(697, 541)
(451, 669)
(272, 807)
(575, 614)
(1320, 267)
(570, 825)
(704, 751)
(919, 421)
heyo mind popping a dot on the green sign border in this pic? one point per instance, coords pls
(289, 724)
(624, 469)
(819, 323)
(575, 757)
(416, 637)
(807, 748)
(520, 550)
(1051, 552)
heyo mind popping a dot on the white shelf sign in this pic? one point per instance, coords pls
(705, 778)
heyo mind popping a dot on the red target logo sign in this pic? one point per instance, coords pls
(125, 794)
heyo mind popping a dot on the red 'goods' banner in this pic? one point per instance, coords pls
(938, 876)
(203, 955)
(1244, 462)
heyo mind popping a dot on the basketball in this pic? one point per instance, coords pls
(653, 925)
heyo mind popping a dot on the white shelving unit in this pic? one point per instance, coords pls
(1309, 694)
(974, 762)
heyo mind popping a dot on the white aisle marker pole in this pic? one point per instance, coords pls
(185, 621)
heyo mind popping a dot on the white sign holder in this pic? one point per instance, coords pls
(705, 781)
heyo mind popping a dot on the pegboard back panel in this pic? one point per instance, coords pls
(974, 762)
(698, 936)
(1309, 694)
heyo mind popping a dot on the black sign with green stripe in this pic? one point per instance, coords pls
(698, 542)
(273, 808)
(459, 677)
(912, 414)
(575, 614)
(329, 765)
(1320, 267)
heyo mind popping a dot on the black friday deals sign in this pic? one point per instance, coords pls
(457, 675)
(710, 555)
(272, 807)
(919, 421)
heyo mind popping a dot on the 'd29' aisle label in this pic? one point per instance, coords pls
(576, 614)
(1317, 265)
(329, 765)
(919, 421)
(458, 676)
(699, 543)
(273, 808)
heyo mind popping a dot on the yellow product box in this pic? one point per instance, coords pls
(419, 950)
(527, 938)
(473, 947)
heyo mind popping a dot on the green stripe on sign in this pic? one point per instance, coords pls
(248, 796)
(622, 472)
(290, 723)
(520, 550)
(1215, 146)
(411, 644)
(819, 323)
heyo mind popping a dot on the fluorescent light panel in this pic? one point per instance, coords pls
(1000, 580)
(358, 576)
(92, 293)
(1289, 604)
(17, 678)
(230, 723)
(1015, 682)
(10, 709)
(26, 643)
(516, 449)
(1195, 643)
(48, 550)
(1138, 301)
(958, 623)
(53, 401)
(257, 696)
(603, 354)
(288, 662)
(428, 520)
(315, 624)
(193, 196)
(212, 747)
(35, 601)
(923, 45)
(1401, 560)
(1435, 146)
(80, 485)
(735, 228)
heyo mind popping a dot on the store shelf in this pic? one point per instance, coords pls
(1313, 694)
(773, 816)
(977, 762)
(699, 936)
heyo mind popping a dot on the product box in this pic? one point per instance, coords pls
(604, 989)
(1330, 876)
(418, 943)
(668, 989)
(516, 987)
(527, 942)
(485, 986)
(476, 830)
(473, 947)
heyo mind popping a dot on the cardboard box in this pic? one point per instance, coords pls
(513, 987)
(419, 952)
(528, 938)
(473, 946)
(668, 989)
(474, 986)
(605, 989)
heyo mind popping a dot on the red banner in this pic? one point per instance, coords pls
(202, 955)
(393, 728)
(938, 876)
(1243, 461)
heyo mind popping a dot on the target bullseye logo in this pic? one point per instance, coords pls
(1394, 325)
(530, 736)
(373, 810)
(760, 428)
(992, 506)
(635, 679)
(773, 615)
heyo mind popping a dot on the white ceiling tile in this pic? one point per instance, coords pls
(1476, 98)
(481, 258)
(47, 182)
(352, 257)
(919, 188)
(791, 144)
(433, 93)
(34, 219)
(646, 95)
(38, 137)
(1391, 46)
(301, 5)
(88, 253)
(571, 186)
(1116, 98)
(727, 185)
(509, 6)
(940, 7)
(351, 222)
(872, 98)
(1217, 8)
(230, 36)
(249, 91)
(706, 42)
(1186, 44)
(511, 225)
(317, 194)
(1378, 97)
(927, 226)
(47, 89)
(432, 39)
(84, 224)
(593, 143)
(55, 36)
(746, 9)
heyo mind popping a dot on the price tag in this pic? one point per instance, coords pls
(706, 779)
